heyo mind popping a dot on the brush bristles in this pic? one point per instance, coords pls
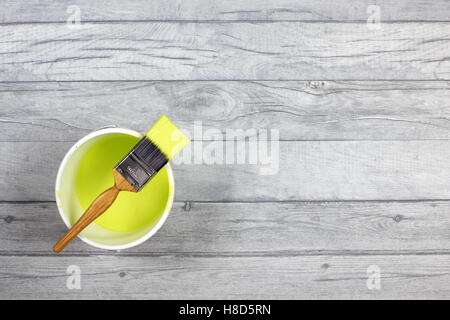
(150, 154)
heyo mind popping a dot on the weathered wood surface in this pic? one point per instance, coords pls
(200, 10)
(308, 170)
(224, 51)
(300, 110)
(364, 165)
(253, 229)
(277, 277)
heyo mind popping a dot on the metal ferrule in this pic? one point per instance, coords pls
(142, 163)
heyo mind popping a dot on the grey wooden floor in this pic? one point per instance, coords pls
(364, 120)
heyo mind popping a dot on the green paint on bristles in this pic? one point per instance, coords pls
(169, 139)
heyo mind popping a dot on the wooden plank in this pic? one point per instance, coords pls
(300, 110)
(307, 170)
(292, 277)
(262, 229)
(224, 51)
(305, 10)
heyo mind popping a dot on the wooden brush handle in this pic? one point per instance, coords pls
(103, 202)
(100, 204)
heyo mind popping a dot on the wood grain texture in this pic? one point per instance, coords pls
(308, 170)
(364, 165)
(297, 277)
(300, 110)
(224, 51)
(200, 10)
(197, 229)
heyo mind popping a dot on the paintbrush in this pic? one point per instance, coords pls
(159, 145)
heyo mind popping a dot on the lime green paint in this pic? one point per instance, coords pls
(169, 139)
(130, 211)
